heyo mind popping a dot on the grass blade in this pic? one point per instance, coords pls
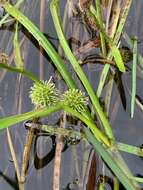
(8, 121)
(17, 53)
(114, 49)
(108, 159)
(22, 71)
(55, 14)
(43, 41)
(116, 39)
(55, 58)
(130, 149)
(12, 120)
(100, 18)
(134, 68)
(124, 15)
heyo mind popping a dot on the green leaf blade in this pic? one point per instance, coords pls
(134, 75)
(118, 58)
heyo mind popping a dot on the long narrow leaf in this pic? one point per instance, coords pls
(100, 18)
(130, 149)
(140, 57)
(8, 121)
(114, 49)
(125, 12)
(22, 71)
(55, 14)
(134, 67)
(43, 41)
(116, 39)
(128, 184)
(5, 17)
(17, 53)
(12, 120)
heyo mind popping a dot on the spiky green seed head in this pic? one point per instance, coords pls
(44, 94)
(75, 99)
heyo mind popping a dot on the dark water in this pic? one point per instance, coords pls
(74, 159)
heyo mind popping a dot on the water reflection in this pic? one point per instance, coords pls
(75, 158)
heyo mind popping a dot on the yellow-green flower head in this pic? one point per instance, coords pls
(76, 100)
(44, 94)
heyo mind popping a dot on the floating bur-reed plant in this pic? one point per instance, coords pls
(101, 140)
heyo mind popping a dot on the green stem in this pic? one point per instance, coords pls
(78, 69)
(101, 186)
(12, 120)
(56, 130)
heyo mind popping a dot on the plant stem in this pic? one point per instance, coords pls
(58, 154)
(27, 151)
(13, 155)
(55, 130)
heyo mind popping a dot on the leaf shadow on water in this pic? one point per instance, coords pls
(45, 160)
(52, 40)
(10, 181)
(120, 87)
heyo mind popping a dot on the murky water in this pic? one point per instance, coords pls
(14, 99)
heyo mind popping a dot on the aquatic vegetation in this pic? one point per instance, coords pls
(47, 99)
